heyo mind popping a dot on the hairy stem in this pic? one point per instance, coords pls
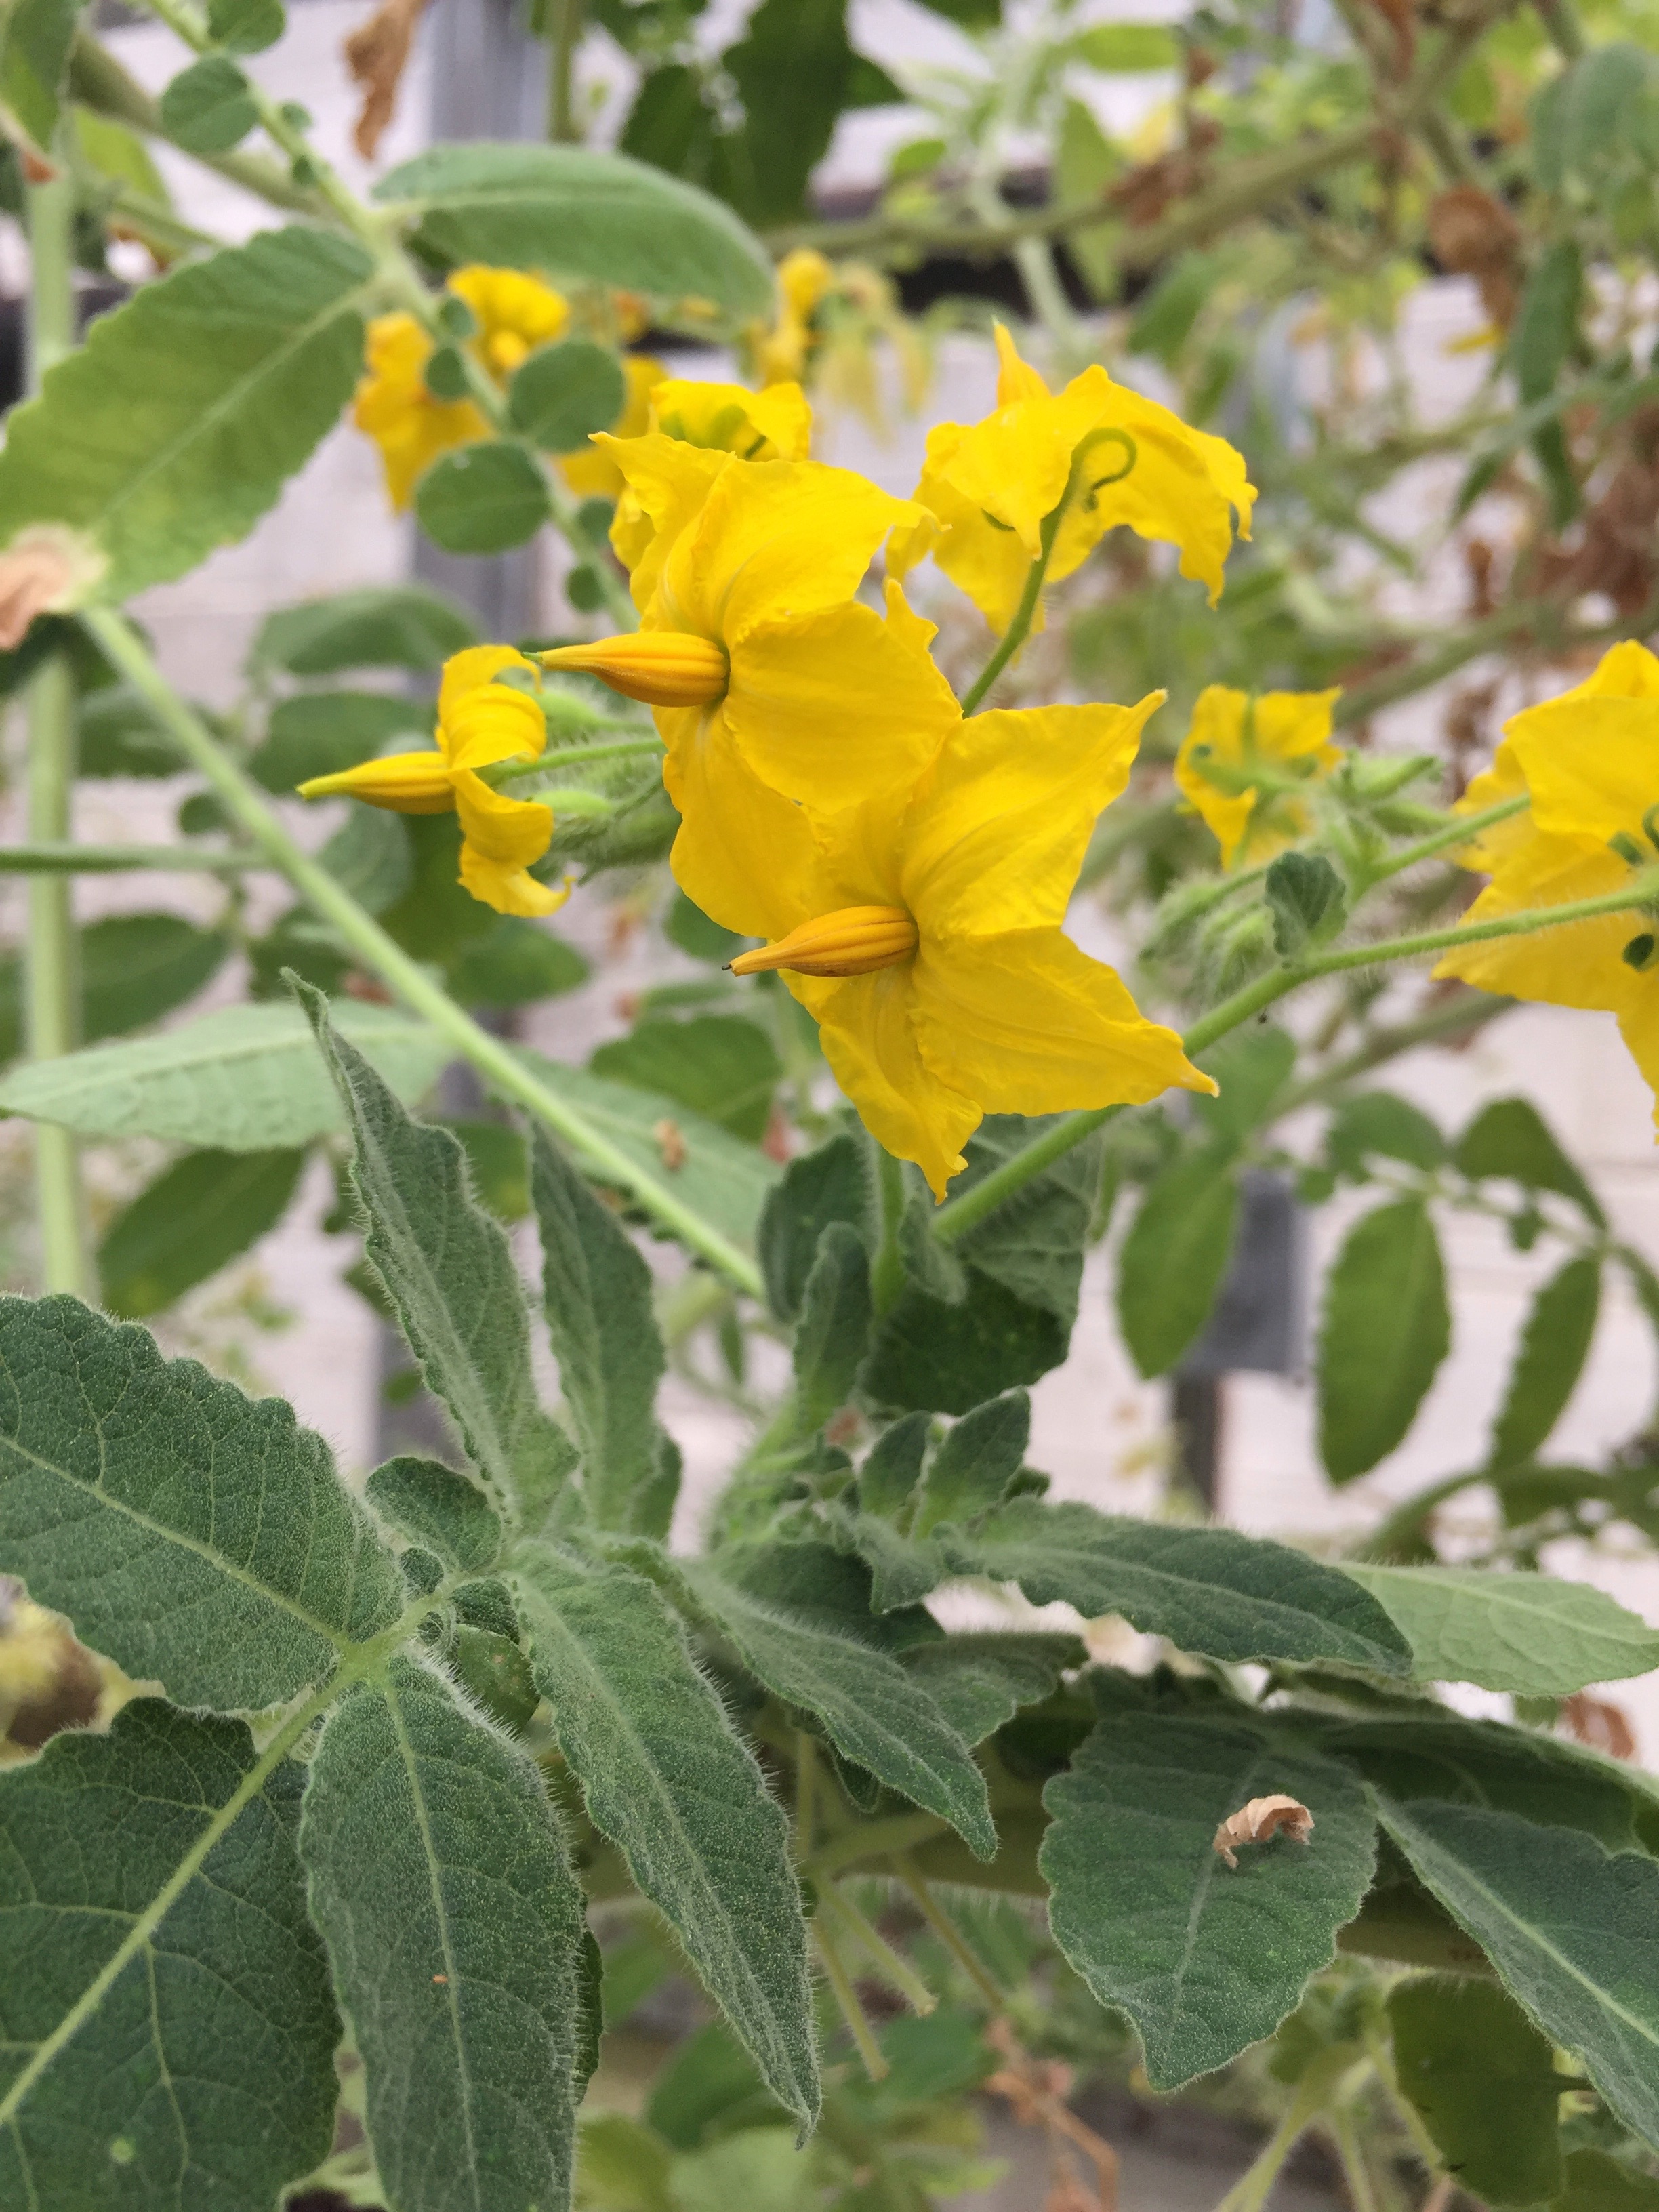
(887, 1962)
(405, 977)
(59, 858)
(565, 17)
(1025, 614)
(847, 2003)
(948, 1933)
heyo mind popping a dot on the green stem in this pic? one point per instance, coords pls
(847, 2003)
(874, 1840)
(1024, 613)
(887, 1273)
(60, 859)
(1252, 2188)
(1470, 1009)
(1362, 2194)
(495, 1060)
(1460, 832)
(501, 772)
(948, 1933)
(885, 1959)
(958, 1215)
(565, 37)
(51, 967)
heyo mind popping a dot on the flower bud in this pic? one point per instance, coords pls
(662, 667)
(854, 940)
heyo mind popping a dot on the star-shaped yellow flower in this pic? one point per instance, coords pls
(516, 313)
(752, 647)
(1242, 759)
(988, 486)
(1588, 761)
(479, 721)
(714, 419)
(924, 933)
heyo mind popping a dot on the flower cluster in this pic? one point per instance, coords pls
(907, 869)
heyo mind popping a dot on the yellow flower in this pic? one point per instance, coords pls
(516, 313)
(752, 649)
(716, 419)
(594, 474)
(988, 486)
(1590, 762)
(782, 353)
(479, 720)
(1240, 755)
(924, 933)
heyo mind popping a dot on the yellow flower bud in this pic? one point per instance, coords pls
(663, 667)
(408, 783)
(854, 940)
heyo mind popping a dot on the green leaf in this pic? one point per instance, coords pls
(722, 1066)
(203, 1212)
(34, 51)
(622, 2165)
(1032, 1244)
(1252, 1067)
(830, 1184)
(596, 1290)
(1546, 327)
(1572, 1930)
(979, 1457)
(231, 1567)
(498, 1160)
(1212, 1590)
(368, 855)
(577, 213)
(455, 1930)
(1526, 1633)
(246, 1080)
(1385, 1329)
(134, 968)
(1174, 1258)
(725, 1180)
(979, 1680)
(667, 1780)
(118, 734)
(1378, 1122)
(208, 107)
(933, 1268)
(246, 26)
(893, 1465)
(1204, 1958)
(1482, 2080)
(564, 392)
(496, 1675)
(1086, 163)
(167, 2031)
(323, 733)
(448, 1270)
(517, 963)
(1548, 1361)
(174, 427)
(794, 69)
(1128, 49)
(1597, 2183)
(481, 499)
(432, 1504)
(1510, 1138)
(833, 1327)
(875, 1714)
(386, 626)
(1305, 897)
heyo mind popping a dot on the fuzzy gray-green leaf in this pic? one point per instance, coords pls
(167, 2033)
(1572, 1929)
(1205, 1959)
(455, 1929)
(1532, 1635)
(876, 1714)
(196, 1536)
(973, 1468)
(448, 1270)
(1213, 1590)
(598, 1296)
(666, 1779)
(982, 1679)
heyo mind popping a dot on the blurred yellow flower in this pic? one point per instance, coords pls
(751, 646)
(1590, 762)
(1242, 760)
(924, 934)
(782, 353)
(715, 419)
(479, 721)
(594, 474)
(989, 486)
(514, 314)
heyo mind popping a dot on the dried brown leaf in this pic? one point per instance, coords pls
(1259, 1821)
(377, 54)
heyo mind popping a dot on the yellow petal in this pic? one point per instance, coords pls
(501, 837)
(1185, 487)
(984, 559)
(1216, 732)
(745, 854)
(507, 301)
(1592, 764)
(803, 277)
(1015, 378)
(772, 538)
(481, 720)
(774, 425)
(1638, 1025)
(406, 783)
(1025, 1023)
(395, 408)
(1016, 464)
(665, 485)
(865, 1028)
(1229, 731)
(592, 473)
(833, 707)
(996, 835)
(1579, 964)
(1626, 671)
(1502, 780)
